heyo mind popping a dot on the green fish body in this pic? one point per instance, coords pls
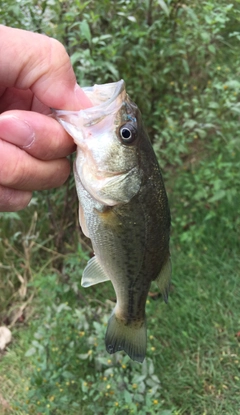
(123, 209)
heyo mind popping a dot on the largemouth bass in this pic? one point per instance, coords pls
(123, 209)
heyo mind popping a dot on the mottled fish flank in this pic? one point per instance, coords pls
(123, 209)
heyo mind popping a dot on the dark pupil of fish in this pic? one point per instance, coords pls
(126, 133)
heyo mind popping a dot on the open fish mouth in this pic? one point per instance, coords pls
(107, 100)
(103, 98)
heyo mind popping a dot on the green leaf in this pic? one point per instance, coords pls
(190, 124)
(10, 215)
(75, 57)
(213, 105)
(151, 368)
(155, 379)
(202, 133)
(83, 356)
(132, 19)
(150, 383)
(112, 69)
(185, 66)
(163, 5)
(218, 196)
(85, 30)
(67, 375)
(127, 397)
(30, 352)
(234, 84)
(212, 49)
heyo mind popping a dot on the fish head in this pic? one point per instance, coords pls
(107, 136)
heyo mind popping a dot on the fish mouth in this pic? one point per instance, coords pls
(104, 99)
(107, 100)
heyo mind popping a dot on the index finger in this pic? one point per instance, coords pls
(42, 65)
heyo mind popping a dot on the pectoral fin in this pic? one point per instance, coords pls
(93, 273)
(163, 279)
(120, 188)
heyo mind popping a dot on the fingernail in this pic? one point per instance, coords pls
(16, 131)
(84, 101)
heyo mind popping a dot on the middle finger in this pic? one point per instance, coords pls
(20, 171)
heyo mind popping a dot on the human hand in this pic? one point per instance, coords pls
(35, 75)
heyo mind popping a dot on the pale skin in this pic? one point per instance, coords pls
(35, 75)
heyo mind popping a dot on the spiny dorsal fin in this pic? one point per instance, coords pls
(93, 273)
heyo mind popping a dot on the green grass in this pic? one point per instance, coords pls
(193, 340)
(198, 352)
(15, 372)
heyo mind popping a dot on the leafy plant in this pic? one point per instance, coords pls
(72, 371)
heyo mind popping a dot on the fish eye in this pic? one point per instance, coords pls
(128, 133)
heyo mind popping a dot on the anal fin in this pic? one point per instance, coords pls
(93, 273)
(164, 278)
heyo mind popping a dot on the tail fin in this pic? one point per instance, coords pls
(131, 338)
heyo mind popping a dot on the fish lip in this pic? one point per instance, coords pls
(102, 106)
(119, 88)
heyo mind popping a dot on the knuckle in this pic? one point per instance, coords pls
(57, 59)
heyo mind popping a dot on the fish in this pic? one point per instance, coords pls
(123, 209)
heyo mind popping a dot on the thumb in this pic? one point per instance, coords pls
(42, 65)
